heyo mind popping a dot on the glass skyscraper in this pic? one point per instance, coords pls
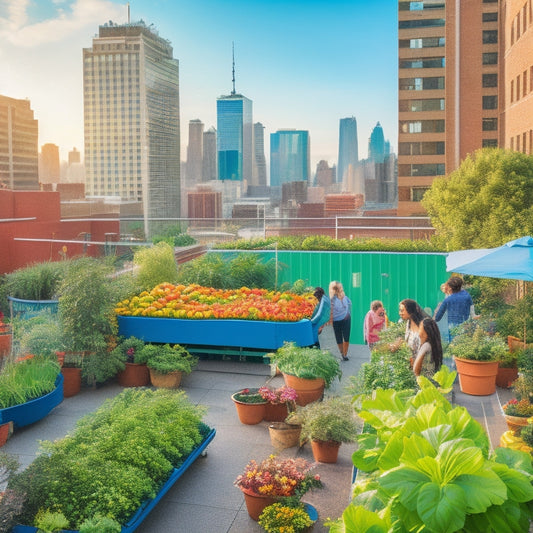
(348, 148)
(289, 157)
(234, 137)
(376, 145)
(132, 126)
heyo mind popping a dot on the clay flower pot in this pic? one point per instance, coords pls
(171, 380)
(308, 390)
(284, 435)
(249, 413)
(134, 375)
(477, 378)
(255, 503)
(72, 381)
(325, 451)
(276, 412)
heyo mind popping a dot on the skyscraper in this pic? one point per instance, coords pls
(348, 147)
(209, 157)
(234, 137)
(289, 157)
(19, 153)
(260, 176)
(450, 70)
(195, 152)
(132, 127)
(49, 164)
(376, 144)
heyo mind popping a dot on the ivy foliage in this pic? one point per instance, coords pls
(486, 202)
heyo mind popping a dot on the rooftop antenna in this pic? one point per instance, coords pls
(129, 13)
(233, 69)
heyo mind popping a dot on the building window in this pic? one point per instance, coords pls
(490, 17)
(490, 58)
(518, 87)
(490, 1)
(524, 83)
(490, 36)
(422, 126)
(490, 102)
(429, 104)
(422, 148)
(424, 62)
(420, 23)
(417, 193)
(490, 124)
(421, 84)
(421, 169)
(419, 6)
(424, 42)
(489, 143)
(490, 80)
(512, 91)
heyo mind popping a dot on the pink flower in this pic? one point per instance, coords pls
(280, 395)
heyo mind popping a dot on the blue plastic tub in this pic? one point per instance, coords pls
(144, 510)
(27, 413)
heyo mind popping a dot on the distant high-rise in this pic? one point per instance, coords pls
(348, 148)
(195, 152)
(74, 156)
(49, 164)
(19, 152)
(260, 174)
(132, 126)
(289, 157)
(209, 157)
(376, 145)
(325, 175)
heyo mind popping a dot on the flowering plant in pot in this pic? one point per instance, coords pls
(517, 413)
(280, 402)
(279, 518)
(135, 372)
(275, 478)
(250, 405)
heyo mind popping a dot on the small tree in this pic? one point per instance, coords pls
(486, 202)
(156, 265)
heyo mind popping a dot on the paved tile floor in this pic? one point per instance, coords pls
(204, 499)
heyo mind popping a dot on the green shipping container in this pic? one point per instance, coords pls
(366, 276)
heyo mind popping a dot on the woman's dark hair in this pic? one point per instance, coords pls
(416, 313)
(319, 292)
(432, 331)
(455, 283)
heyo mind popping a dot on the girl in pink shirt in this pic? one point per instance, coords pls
(374, 322)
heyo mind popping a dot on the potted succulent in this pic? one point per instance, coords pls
(274, 479)
(250, 405)
(280, 401)
(135, 372)
(278, 517)
(307, 370)
(167, 363)
(327, 424)
(476, 355)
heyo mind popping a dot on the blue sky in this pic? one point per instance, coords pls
(304, 64)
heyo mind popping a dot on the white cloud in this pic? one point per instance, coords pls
(84, 13)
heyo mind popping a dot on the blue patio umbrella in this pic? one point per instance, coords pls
(513, 260)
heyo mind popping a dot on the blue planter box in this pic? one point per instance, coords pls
(256, 334)
(27, 413)
(144, 510)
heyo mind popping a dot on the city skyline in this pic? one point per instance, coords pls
(305, 65)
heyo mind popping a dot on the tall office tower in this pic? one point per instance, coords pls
(376, 145)
(289, 157)
(195, 150)
(325, 175)
(209, 156)
(449, 71)
(49, 164)
(74, 156)
(348, 148)
(132, 126)
(260, 173)
(234, 137)
(19, 153)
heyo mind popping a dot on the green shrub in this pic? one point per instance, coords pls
(156, 264)
(164, 358)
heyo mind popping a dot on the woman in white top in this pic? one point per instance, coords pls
(428, 359)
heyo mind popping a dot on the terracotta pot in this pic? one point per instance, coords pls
(255, 503)
(249, 413)
(477, 378)
(72, 381)
(4, 433)
(325, 451)
(284, 435)
(61, 358)
(516, 423)
(134, 375)
(171, 380)
(506, 376)
(515, 343)
(308, 390)
(276, 412)
(5, 344)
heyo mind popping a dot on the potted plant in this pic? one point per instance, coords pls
(5, 337)
(277, 518)
(507, 369)
(167, 363)
(307, 370)
(11, 501)
(71, 368)
(517, 413)
(280, 401)
(273, 479)
(476, 355)
(250, 405)
(328, 424)
(135, 372)
(50, 522)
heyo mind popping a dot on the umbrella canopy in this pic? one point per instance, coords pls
(513, 260)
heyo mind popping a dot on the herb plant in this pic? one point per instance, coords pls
(166, 358)
(280, 518)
